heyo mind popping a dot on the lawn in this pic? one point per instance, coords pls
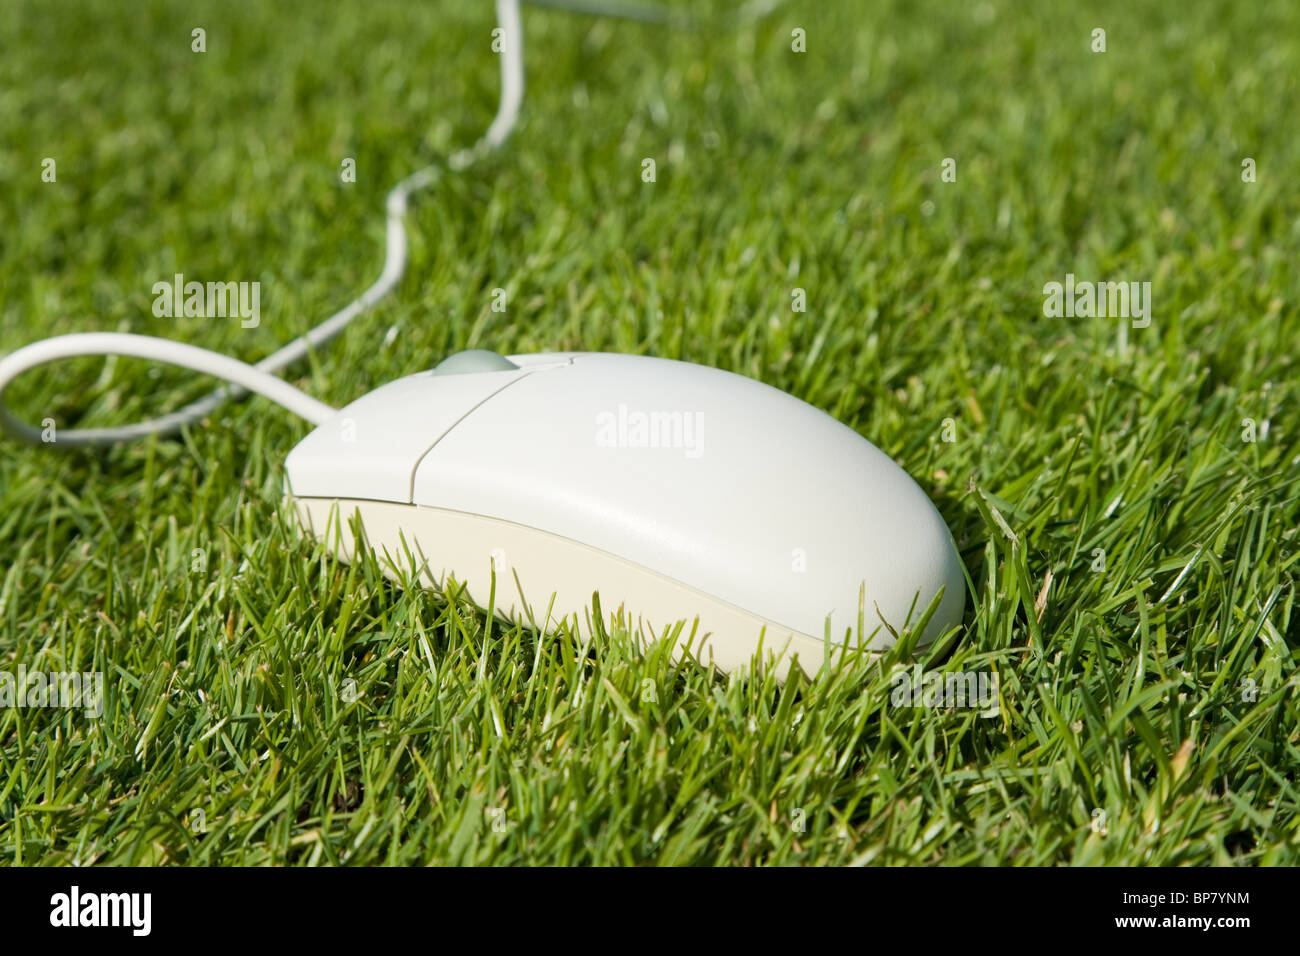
(1125, 498)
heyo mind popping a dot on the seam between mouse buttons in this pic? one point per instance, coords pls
(415, 468)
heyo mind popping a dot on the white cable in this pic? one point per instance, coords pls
(160, 350)
(258, 378)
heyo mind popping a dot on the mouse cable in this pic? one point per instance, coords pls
(258, 378)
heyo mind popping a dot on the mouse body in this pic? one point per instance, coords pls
(680, 500)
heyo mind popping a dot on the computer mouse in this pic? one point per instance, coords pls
(685, 502)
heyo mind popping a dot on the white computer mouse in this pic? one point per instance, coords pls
(697, 504)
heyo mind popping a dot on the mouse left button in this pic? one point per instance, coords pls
(371, 447)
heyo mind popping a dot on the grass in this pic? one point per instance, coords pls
(1133, 560)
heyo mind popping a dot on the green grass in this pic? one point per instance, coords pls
(1121, 690)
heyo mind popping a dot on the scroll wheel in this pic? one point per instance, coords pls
(474, 360)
